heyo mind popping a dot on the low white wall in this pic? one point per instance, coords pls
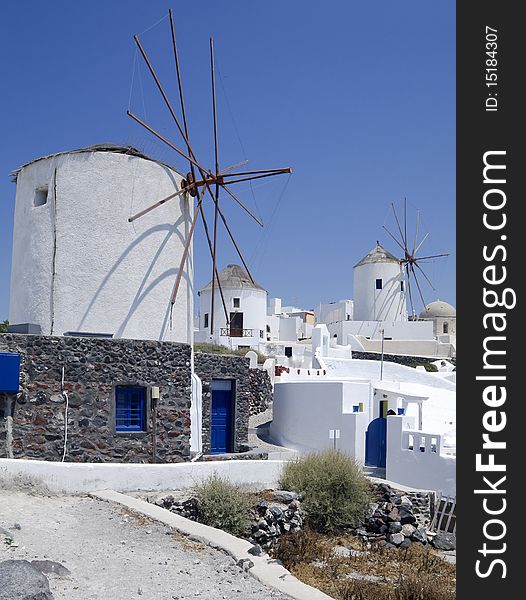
(305, 411)
(398, 330)
(85, 477)
(417, 468)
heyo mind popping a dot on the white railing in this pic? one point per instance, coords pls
(417, 441)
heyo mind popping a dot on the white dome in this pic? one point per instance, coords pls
(438, 309)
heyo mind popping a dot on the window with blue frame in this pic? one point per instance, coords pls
(130, 408)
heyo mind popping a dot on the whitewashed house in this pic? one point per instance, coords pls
(246, 307)
(390, 417)
(79, 265)
(287, 323)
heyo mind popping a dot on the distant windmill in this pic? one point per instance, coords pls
(410, 261)
(201, 181)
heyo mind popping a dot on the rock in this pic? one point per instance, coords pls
(406, 543)
(50, 566)
(245, 564)
(294, 505)
(395, 527)
(284, 496)
(408, 529)
(277, 513)
(444, 541)
(262, 507)
(406, 516)
(341, 551)
(256, 550)
(420, 535)
(406, 502)
(22, 581)
(394, 515)
(395, 538)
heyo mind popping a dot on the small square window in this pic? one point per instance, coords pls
(402, 285)
(378, 284)
(40, 196)
(445, 327)
(261, 333)
(206, 320)
(236, 302)
(130, 408)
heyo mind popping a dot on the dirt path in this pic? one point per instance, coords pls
(113, 555)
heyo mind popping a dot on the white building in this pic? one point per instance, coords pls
(334, 312)
(80, 266)
(379, 292)
(444, 318)
(337, 401)
(246, 306)
(286, 325)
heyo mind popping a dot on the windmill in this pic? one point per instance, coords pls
(410, 262)
(201, 181)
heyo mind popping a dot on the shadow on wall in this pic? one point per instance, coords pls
(142, 292)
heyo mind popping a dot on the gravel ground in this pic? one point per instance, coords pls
(115, 555)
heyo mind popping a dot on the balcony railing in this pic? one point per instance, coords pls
(236, 332)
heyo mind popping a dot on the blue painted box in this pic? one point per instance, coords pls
(9, 372)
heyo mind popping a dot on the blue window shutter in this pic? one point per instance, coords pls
(130, 408)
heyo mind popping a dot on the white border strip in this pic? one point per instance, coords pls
(267, 571)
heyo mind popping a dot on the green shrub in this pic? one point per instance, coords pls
(223, 505)
(336, 493)
(429, 367)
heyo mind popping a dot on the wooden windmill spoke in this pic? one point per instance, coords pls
(405, 226)
(408, 273)
(433, 256)
(163, 94)
(235, 245)
(418, 286)
(232, 167)
(268, 174)
(398, 224)
(231, 193)
(261, 171)
(186, 249)
(424, 274)
(216, 157)
(393, 237)
(421, 242)
(163, 139)
(147, 210)
(205, 225)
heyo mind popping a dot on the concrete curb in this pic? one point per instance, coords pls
(267, 571)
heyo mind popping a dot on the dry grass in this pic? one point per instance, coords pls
(374, 573)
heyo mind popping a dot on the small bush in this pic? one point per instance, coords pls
(336, 493)
(223, 505)
(429, 367)
(303, 546)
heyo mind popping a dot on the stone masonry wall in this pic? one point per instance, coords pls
(261, 394)
(223, 366)
(408, 361)
(92, 369)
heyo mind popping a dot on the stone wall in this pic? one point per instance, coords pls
(223, 366)
(261, 393)
(408, 361)
(92, 369)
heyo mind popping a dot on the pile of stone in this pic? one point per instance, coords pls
(270, 519)
(185, 508)
(398, 519)
(281, 515)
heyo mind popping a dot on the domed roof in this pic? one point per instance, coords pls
(438, 309)
(377, 255)
(234, 276)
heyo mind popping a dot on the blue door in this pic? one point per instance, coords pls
(375, 443)
(222, 415)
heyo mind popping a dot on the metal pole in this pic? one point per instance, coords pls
(382, 358)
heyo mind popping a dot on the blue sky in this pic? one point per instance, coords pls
(358, 97)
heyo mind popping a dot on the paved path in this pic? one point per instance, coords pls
(113, 555)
